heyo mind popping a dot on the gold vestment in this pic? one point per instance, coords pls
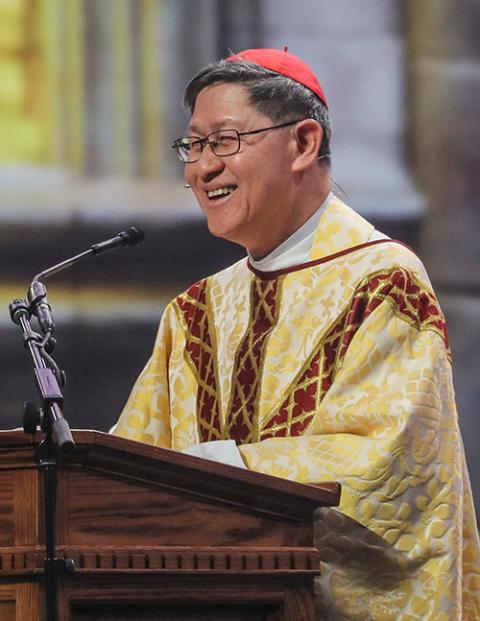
(338, 369)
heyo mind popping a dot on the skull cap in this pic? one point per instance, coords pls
(285, 63)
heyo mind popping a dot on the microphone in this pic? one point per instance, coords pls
(130, 237)
(37, 292)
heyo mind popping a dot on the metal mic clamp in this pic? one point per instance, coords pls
(39, 306)
(20, 313)
(18, 309)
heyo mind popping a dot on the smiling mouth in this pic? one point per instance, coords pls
(221, 192)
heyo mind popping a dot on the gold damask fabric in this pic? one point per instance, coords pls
(338, 369)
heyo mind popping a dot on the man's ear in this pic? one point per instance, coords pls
(308, 134)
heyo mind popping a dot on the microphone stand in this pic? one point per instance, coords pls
(49, 378)
(57, 439)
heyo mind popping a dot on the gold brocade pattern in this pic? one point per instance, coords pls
(408, 299)
(378, 415)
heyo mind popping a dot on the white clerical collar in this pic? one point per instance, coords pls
(296, 249)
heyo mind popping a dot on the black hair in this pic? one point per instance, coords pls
(276, 96)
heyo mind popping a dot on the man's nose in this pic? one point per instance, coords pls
(208, 162)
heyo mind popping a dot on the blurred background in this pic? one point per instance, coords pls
(90, 96)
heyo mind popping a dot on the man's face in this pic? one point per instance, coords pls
(247, 197)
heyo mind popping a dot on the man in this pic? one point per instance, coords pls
(323, 355)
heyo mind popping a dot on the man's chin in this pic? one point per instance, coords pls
(223, 232)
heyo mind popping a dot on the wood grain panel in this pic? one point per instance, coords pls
(29, 602)
(25, 506)
(20, 602)
(110, 511)
(7, 611)
(7, 525)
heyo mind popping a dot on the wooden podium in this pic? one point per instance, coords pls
(155, 534)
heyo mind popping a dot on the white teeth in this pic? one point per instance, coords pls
(219, 192)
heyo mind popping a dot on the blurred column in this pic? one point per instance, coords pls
(357, 50)
(239, 26)
(445, 52)
(109, 76)
(150, 78)
(189, 41)
(69, 23)
(445, 79)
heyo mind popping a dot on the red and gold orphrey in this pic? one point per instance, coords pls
(397, 287)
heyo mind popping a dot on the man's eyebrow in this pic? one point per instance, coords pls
(227, 123)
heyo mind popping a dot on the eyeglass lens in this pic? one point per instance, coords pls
(224, 142)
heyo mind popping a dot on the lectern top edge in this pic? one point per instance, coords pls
(98, 451)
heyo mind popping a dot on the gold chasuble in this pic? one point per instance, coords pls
(338, 369)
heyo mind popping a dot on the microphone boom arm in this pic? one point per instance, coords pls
(37, 292)
(130, 237)
(59, 267)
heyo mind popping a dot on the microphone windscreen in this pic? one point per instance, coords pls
(133, 235)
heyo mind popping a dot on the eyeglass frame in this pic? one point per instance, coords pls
(204, 141)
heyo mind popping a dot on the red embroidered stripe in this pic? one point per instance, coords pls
(409, 300)
(199, 349)
(247, 371)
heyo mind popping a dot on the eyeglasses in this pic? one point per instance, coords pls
(223, 142)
